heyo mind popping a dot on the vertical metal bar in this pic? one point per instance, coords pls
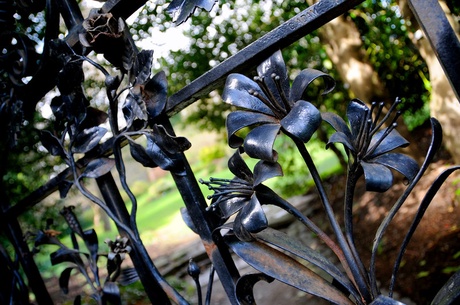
(141, 260)
(441, 36)
(35, 281)
(196, 205)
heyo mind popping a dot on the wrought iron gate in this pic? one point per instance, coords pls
(269, 105)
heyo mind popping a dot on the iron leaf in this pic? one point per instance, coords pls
(111, 293)
(51, 143)
(88, 139)
(65, 255)
(128, 276)
(180, 10)
(297, 248)
(64, 188)
(64, 279)
(155, 93)
(98, 168)
(91, 242)
(285, 269)
(139, 154)
(158, 156)
(142, 67)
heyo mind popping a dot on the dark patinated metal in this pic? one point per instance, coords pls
(234, 222)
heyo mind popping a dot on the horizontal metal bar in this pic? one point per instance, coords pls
(302, 24)
(433, 21)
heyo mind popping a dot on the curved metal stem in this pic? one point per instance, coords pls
(360, 281)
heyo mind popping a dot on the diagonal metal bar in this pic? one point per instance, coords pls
(302, 24)
(441, 36)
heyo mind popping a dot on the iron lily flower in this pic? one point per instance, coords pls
(120, 247)
(242, 195)
(269, 105)
(368, 147)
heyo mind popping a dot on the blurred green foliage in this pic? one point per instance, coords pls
(232, 25)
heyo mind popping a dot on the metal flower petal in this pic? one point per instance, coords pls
(370, 148)
(268, 100)
(241, 195)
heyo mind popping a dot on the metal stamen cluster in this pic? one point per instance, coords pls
(280, 109)
(369, 126)
(225, 189)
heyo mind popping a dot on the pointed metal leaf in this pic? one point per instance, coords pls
(88, 139)
(111, 294)
(64, 188)
(285, 269)
(91, 242)
(180, 10)
(139, 154)
(64, 280)
(296, 247)
(158, 156)
(154, 93)
(65, 255)
(426, 201)
(188, 219)
(142, 67)
(51, 143)
(98, 168)
(169, 143)
(450, 292)
(302, 121)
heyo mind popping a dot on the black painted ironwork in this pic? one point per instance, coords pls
(268, 105)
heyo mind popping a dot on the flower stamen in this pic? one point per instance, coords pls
(277, 80)
(385, 134)
(275, 107)
(395, 104)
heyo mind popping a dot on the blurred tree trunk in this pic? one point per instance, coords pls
(343, 44)
(444, 106)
